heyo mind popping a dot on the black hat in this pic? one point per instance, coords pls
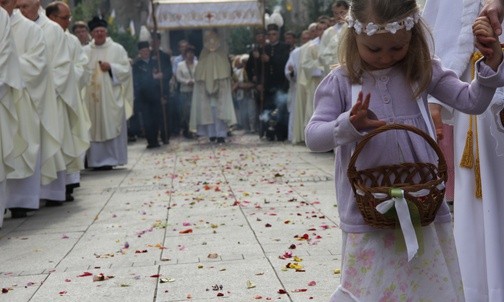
(142, 44)
(273, 26)
(97, 22)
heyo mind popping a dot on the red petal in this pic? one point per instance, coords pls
(85, 274)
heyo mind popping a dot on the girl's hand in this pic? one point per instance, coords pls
(359, 114)
(487, 42)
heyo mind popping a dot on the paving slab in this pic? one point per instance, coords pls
(249, 220)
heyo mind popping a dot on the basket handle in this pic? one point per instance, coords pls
(352, 171)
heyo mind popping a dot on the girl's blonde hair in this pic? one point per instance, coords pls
(416, 65)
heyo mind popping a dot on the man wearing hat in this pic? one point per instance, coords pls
(147, 80)
(109, 98)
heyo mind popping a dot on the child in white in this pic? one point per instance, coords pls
(386, 51)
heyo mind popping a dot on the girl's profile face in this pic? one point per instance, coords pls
(381, 51)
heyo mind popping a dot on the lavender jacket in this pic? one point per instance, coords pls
(392, 101)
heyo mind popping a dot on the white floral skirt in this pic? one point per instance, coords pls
(375, 267)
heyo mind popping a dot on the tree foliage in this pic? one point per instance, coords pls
(86, 10)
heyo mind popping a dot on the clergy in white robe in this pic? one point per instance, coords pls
(108, 97)
(72, 135)
(23, 189)
(59, 12)
(328, 48)
(478, 221)
(11, 85)
(33, 57)
(80, 61)
(212, 109)
(291, 68)
(329, 42)
(298, 123)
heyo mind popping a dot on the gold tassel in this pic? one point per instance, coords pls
(478, 192)
(467, 160)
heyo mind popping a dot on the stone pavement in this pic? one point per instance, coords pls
(193, 221)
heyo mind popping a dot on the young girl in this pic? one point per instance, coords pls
(385, 51)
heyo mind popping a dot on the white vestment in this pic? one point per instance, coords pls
(478, 222)
(109, 99)
(62, 72)
(301, 96)
(33, 58)
(11, 85)
(329, 44)
(23, 189)
(314, 72)
(212, 102)
(75, 133)
(80, 61)
(292, 62)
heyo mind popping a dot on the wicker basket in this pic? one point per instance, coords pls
(410, 177)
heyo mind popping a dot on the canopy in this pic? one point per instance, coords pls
(179, 14)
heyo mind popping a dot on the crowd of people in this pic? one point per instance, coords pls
(367, 65)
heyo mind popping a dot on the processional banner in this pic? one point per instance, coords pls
(180, 14)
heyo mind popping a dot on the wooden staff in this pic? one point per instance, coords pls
(155, 38)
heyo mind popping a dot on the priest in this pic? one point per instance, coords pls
(108, 97)
(11, 84)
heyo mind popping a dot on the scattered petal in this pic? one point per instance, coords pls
(250, 284)
(282, 291)
(213, 256)
(186, 231)
(85, 274)
(166, 280)
(312, 283)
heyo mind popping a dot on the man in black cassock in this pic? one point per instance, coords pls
(171, 113)
(276, 85)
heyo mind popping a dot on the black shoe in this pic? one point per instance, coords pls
(19, 212)
(69, 197)
(213, 139)
(53, 203)
(132, 139)
(152, 146)
(166, 141)
(103, 168)
(221, 140)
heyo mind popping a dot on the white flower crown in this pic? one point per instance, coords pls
(392, 27)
